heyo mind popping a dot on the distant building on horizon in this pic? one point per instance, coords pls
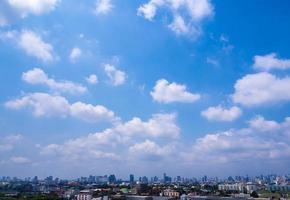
(132, 178)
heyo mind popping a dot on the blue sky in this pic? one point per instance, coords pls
(187, 87)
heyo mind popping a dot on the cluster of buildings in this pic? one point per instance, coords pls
(108, 187)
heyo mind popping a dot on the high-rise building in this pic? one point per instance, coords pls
(112, 178)
(155, 179)
(144, 179)
(204, 179)
(131, 178)
(92, 179)
(35, 179)
(166, 179)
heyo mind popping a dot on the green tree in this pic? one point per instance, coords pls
(254, 194)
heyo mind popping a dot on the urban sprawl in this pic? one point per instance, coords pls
(108, 187)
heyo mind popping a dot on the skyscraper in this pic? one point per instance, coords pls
(112, 178)
(131, 178)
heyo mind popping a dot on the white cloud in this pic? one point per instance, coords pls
(31, 43)
(231, 146)
(36, 7)
(88, 112)
(165, 92)
(198, 9)
(259, 123)
(103, 7)
(7, 143)
(150, 150)
(180, 27)
(75, 54)
(245, 144)
(120, 135)
(148, 10)
(11, 10)
(92, 79)
(38, 76)
(43, 104)
(35, 46)
(137, 139)
(219, 113)
(261, 88)
(117, 77)
(187, 15)
(19, 160)
(160, 125)
(270, 61)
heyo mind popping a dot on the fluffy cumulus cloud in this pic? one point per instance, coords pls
(270, 61)
(219, 113)
(38, 76)
(43, 104)
(7, 143)
(14, 9)
(32, 43)
(260, 89)
(89, 112)
(160, 125)
(137, 140)
(259, 123)
(244, 145)
(149, 150)
(103, 7)
(35, 46)
(120, 135)
(75, 54)
(117, 77)
(165, 92)
(92, 79)
(187, 15)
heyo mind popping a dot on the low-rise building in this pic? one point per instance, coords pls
(171, 193)
(280, 188)
(231, 187)
(85, 195)
(238, 187)
(251, 187)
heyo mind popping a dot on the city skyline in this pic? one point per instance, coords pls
(189, 87)
(162, 178)
(165, 188)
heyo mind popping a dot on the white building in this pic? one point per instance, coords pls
(239, 187)
(84, 195)
(231, 187)
(251, 187)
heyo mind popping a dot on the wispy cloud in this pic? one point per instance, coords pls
(187, 16)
